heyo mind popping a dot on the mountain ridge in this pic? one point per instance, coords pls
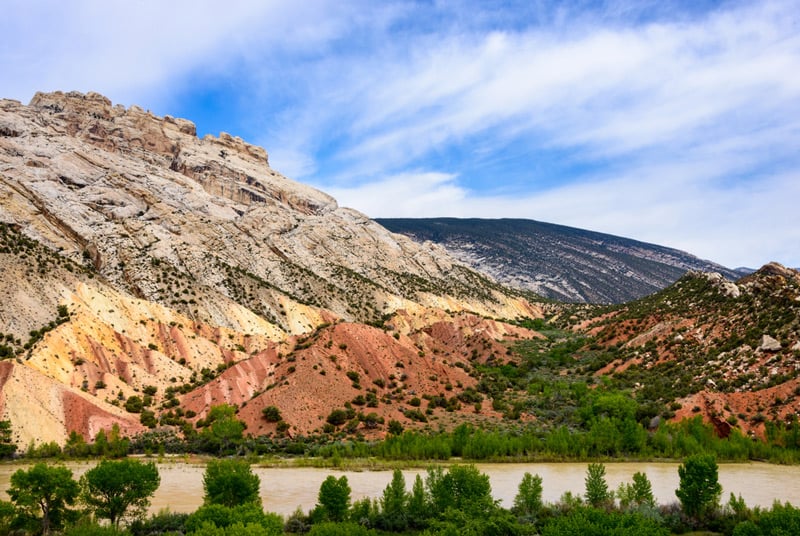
(557, 261)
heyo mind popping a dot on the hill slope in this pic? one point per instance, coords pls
(137, 257)
(561, 263)
(729, 352)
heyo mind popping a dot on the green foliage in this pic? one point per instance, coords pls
(216, 516)
(164, 522)
(7, 516)
(337, 417)
(781, 519)
(462, 488)
(111, 444)
(7, 446)
(636, 494)
(340, 529)
(333, 500)
(116, 488)
(223, 432)
(44, 493)
(87, 528)
(593, 522)
(597, 492)
(699, 490)
(395, 427)
(271, 414)
(394, 504)
(528, 501)
(230, 483)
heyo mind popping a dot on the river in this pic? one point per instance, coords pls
(284, 489)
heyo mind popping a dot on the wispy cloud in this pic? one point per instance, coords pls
(673, 122)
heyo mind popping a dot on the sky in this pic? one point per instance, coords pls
(676, 123)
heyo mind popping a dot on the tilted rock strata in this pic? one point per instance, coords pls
(175, 255)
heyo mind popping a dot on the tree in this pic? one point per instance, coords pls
(50, 490)
(597, 493)
(699, 490)
(639, 493)
(272, 414)
(224, 429)
(528, 501)
(395, 427)
(7, 446)
(334, 498)
(230, 483)
(394, 504)
(417, 504)
(462, 488)
(114, 488)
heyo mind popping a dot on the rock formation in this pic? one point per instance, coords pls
(173, 255)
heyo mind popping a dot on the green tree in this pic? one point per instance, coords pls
(528, 501)
(636, 494)
(134, 404)
(224, 431)
(597, 493)
(395, 427)
(115, 488)
(394, 504)
(45, 489)
(699, 490)
(462, 488)
(76, 446)
(334, 498)
(417, 504)
(7, 446)
(230, 483)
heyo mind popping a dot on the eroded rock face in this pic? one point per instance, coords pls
(175, 254)
(139, 196)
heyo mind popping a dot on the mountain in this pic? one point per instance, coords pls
(729, 352)
(139, 259)
(558, 262)
(149, 276)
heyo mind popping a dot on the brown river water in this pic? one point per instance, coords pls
(284, 489)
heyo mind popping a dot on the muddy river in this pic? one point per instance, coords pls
(284, 489)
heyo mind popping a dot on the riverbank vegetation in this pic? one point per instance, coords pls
(111, 500)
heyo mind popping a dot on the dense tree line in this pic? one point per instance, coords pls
(111, 499)
(608, 437)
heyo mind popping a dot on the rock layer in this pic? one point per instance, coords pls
(173, 255)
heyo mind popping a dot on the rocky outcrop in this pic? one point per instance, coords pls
(138, 256)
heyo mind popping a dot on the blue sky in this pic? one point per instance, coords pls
(676, 123)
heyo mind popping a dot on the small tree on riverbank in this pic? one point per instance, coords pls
(597, 493)
(115, 488)
(699, 489)
(230, 483)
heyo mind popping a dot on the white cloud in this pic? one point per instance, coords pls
(409, 195)
(611, 90)
(293, 163)
(683, 129)
(747, 225)
(137, 52)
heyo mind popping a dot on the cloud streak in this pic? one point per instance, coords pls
(671, 122)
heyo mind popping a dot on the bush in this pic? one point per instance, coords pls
(337, 417)
(271, 414)
(591, 521)
(340, 529)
